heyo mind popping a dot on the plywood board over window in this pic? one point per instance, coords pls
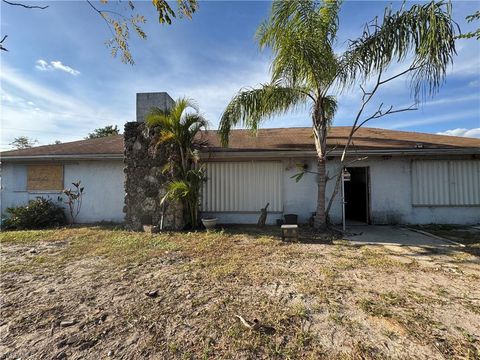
(44, 177)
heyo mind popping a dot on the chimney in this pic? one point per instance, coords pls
(146, 101)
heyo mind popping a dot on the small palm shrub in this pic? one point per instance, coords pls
(187, 190)
(180, 126)
(39, 213)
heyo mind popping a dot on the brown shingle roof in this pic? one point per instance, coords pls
(110, 145)
(365, 138)
(269, 139)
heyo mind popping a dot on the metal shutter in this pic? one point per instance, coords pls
(445, 182)
(243, 186)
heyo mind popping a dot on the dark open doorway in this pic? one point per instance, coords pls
(357, 195)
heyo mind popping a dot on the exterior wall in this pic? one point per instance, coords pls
(103, 182)
(298, 198)
(390, 193)
(391, 197)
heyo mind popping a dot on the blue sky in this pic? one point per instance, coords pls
(58, 80)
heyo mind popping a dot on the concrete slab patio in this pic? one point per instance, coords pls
(390, 235)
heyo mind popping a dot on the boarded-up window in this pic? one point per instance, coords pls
(44, 177)
(243, 186)
(446, 182)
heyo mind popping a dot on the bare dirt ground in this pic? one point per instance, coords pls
(96, 293)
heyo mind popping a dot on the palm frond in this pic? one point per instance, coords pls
(425, 31)
(165, 136)
(250, 107)
(301, 34)
(157, 117)
(329, 104)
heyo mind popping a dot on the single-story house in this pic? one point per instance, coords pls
(405, 177)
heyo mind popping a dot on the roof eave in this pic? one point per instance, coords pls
(233, 154)
(311, 153)
(62, 157)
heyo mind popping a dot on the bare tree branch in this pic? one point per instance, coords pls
(331, 150)
(367, 96)
(3, 48)
(337, 183)
(1, 43)
(25, 6)
(379, 113)
(109, 26)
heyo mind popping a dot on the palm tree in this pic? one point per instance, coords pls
(306, 70)
(180, 126)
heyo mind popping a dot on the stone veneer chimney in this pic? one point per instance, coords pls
(144, 161)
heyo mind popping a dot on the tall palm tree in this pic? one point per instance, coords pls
(306, 69)
(180, 125)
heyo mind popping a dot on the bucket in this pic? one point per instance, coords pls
(291, 219)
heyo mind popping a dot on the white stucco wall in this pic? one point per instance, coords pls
(391, 197)
(103, 181)
(390, 193)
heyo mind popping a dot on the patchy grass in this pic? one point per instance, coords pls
(319, 298)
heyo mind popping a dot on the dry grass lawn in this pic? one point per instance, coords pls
(81, 293)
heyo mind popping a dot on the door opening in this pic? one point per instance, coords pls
(357, 195)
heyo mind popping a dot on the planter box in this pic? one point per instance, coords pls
(209, 223)
(151, 229)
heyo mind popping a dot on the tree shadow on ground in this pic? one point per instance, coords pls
(306, 234)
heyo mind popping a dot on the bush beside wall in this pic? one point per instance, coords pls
(38, 214)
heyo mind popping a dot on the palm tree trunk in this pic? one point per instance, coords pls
(320, 221)
(320, 135)
(183, 160)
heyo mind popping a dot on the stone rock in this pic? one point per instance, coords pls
(66, 323)
(149, 205)
(151, 179)
(152, 294)
(137, 146)
(61, 355)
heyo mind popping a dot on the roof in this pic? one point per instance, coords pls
(110, 145)
(364, 138)
(276, 139)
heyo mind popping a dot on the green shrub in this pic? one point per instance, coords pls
(39, 213)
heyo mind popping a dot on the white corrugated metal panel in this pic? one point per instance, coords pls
(446, 182)
(430, 183)
(465, 180)
(243, 186)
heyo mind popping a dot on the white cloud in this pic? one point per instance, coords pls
(42, 65)
(454, 116)
(446, 100)
(474, 83)
(59, 66)
(37, 110)
(473, 133)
